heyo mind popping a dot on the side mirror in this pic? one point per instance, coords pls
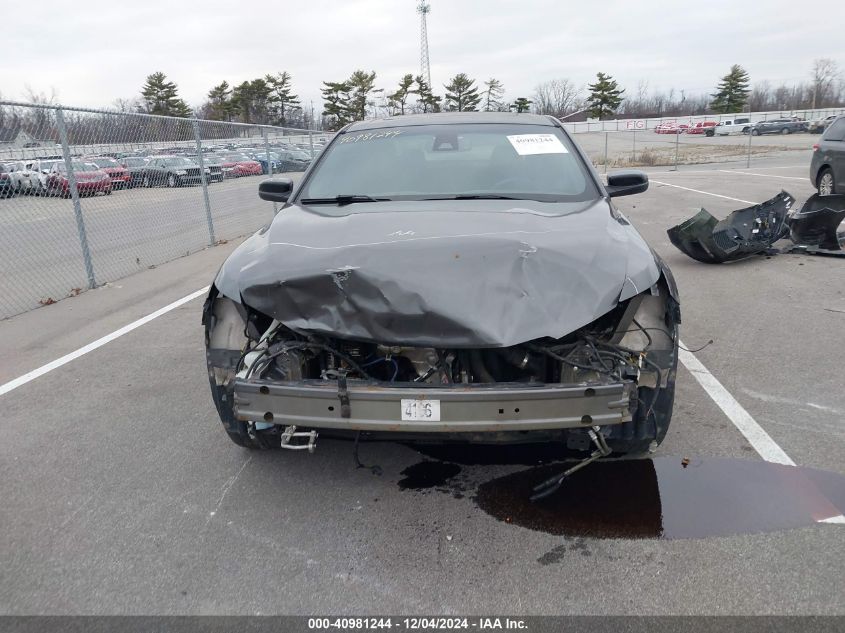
(626, 183)
(275, 189)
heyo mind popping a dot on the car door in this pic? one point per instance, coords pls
(154, 171)
(833, 146)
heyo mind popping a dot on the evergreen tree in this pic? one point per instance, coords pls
(492, 96)
(605, 96)
(732, 92)
(521, 105)
(251, 101)
(162, 97)
(220, 102)
(360, 84)
(336, 100)
(462, 94)
(399, 99)
(282, 99)
(427, 101)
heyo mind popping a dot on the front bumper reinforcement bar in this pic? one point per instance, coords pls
(463, 407)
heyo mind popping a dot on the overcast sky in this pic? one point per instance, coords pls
(92, 54)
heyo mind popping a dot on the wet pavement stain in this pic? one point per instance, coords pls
(663, 498)
(428, 474)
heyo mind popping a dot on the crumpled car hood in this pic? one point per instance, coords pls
(466, 276)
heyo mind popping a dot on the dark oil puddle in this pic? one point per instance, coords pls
(664, 498)
(427, 475)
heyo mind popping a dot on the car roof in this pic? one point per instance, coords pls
(452, 118)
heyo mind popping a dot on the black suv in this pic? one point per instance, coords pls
(778, 126)
(827, 169)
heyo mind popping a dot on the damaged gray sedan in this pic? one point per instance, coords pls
(453, 277)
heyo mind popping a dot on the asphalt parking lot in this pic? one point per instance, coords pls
(122, 494)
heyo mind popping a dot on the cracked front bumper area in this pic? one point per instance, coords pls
(462, 407)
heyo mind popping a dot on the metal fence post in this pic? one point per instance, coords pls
(634, 149)
(605, 151)
(267, 152)
(201, 161)
(311, 142)
(74, 194)
(748, 158)
(677, 144)
(269, 164)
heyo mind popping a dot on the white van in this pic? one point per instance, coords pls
(734, 126)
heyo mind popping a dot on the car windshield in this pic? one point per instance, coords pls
(106, 162)
(134, 162)
(519, 161)
(299, 154)
(179, 161)
(237, 157)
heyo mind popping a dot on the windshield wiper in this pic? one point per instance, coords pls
(476, 196)
(342, 200)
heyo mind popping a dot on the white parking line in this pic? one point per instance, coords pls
(753, 432)
(762, 442)
(706, 193)
(748, 173)
(64, 360)
(684, 172)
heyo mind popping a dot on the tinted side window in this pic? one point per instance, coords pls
(836, 132)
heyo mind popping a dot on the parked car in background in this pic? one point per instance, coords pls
(737, 125)
(260, 156)
(294, 160)
(21, 177)
(120, 178)
(7, 187)
(703, 127)
(89, 179)
(38, 171)
(820, 125)
(173, 171)
(241, 165)
(827, 167)
(671, 127)
(779, 126)
(135, 166)
(209, 162)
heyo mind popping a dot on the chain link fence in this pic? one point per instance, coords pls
(88, 197)
(647, 148)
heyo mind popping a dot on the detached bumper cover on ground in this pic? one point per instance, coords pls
(754, 230)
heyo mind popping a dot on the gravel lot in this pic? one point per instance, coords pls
(122, 494)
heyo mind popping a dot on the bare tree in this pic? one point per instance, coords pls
(825, 74)
(556, 97)
(132, 104)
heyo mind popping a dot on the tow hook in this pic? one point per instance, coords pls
(290, 432)
(551, 485)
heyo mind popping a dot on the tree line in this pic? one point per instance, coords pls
(825, 88)
(272, 100)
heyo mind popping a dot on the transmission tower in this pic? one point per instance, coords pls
(423, 8)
